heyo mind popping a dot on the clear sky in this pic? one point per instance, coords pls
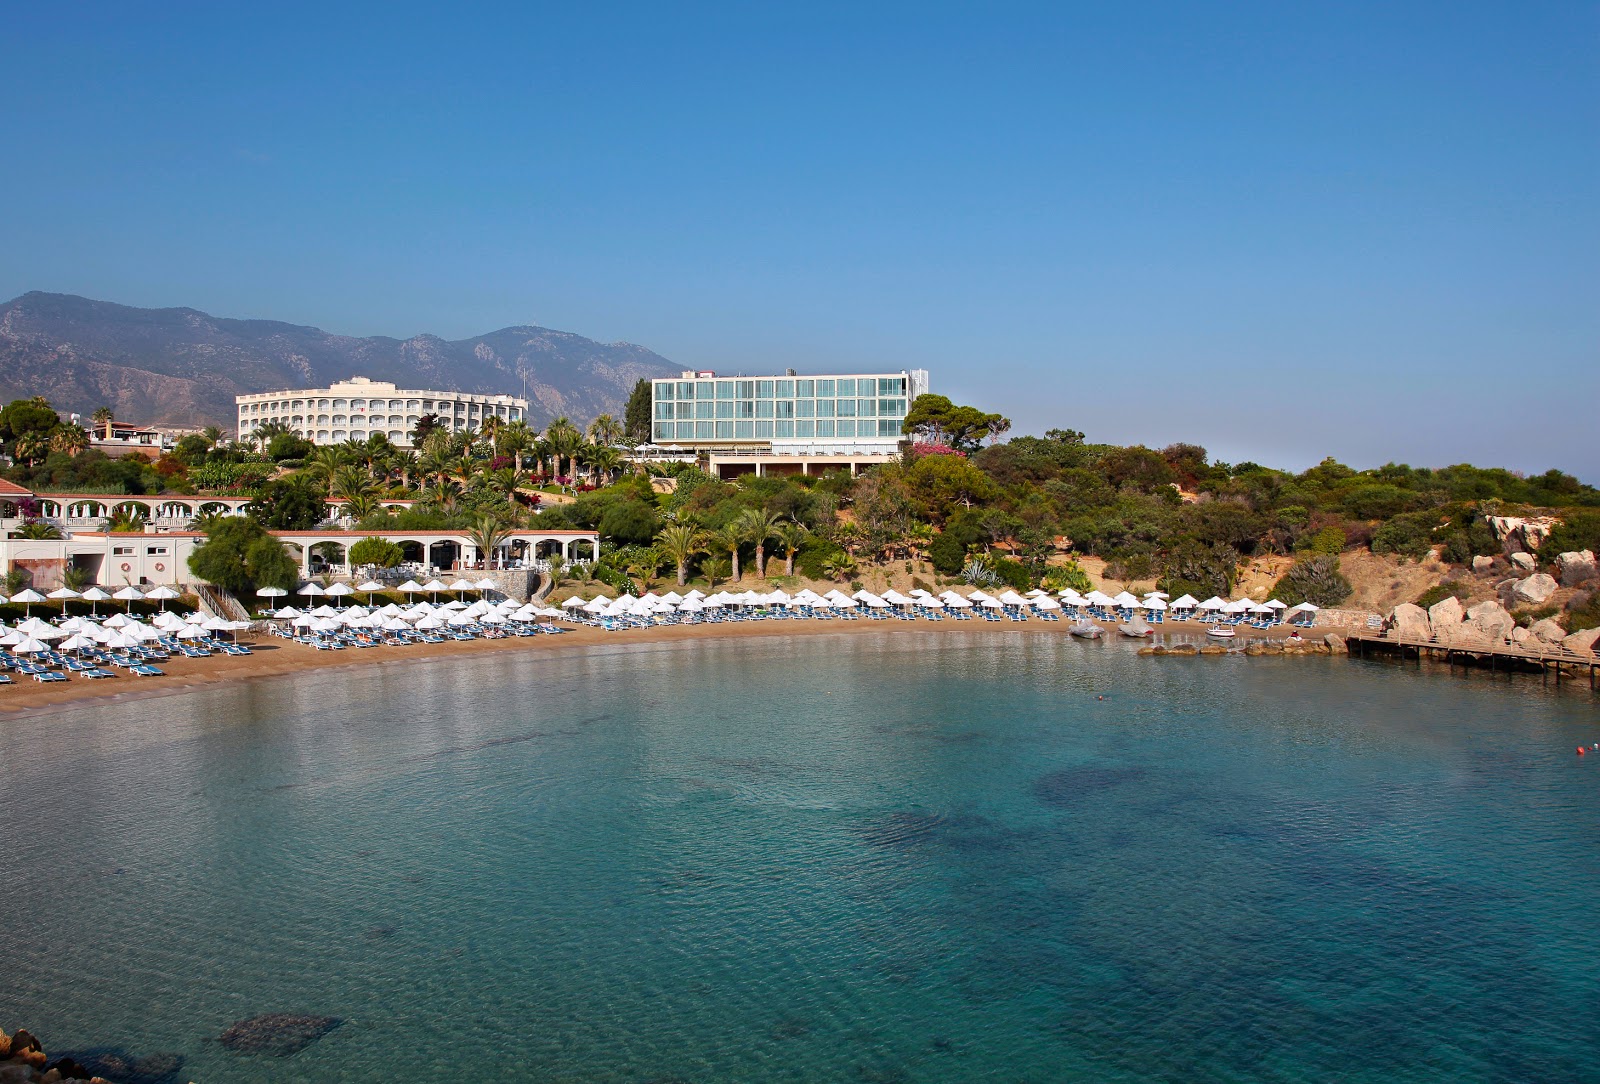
(1281, 231)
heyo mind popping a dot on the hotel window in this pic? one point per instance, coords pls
(805, 429)
(764, 430)
(781, 428)
(786, 389)
(686, 430)
(663, 391)
(764, 388)
(725, 410)
(705, 389)
(705, 410)
(888, 427)
(155, 551)
(764, 408)
(846, 408)
(805, 389)
(825, 429)
(804, 408)
(703, 430)
(866, 408)
(824, 408)
(685, 390)
(664, 410)
(685, 410)
(663, 430)
(747, 408)
(122, 551)
(724, 389)
(845, 387)
(785, 408)
(891, 406)
(847, 429)
(745, 430)
(747, 389)
(824, 389)
(358, 404)
(341, 404)
(724, 430)
(891, 385)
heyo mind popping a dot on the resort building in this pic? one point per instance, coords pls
(788, 424)
(356, 408)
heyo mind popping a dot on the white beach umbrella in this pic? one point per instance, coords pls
(1098, 598)
(1271, 604)
(917, 592)
(486, 584)
(324, 611)
(928, 602)
(1045, 602)
(287, 611)
(394, 624)
(411, 587)
(28, 645)
(990, 603)
(76, 643)
(462, 584)
(1212, 603)
(340, 590)
(895, 598)
(1154, 603)
(133, 594)
(1248, 603)
(1237, 606)
(845, 603)
(94, 596)
(432, 621)
(117, 621)
(27, 597)
(672, 597)
(1036, 592)
(595, 606)
(1157, 594)
(574, 603)
(1184, 602)
(956, 602)
(369, 587)
(1011, 598)
(1125, 598)
(311, 590)
(494, 617)
(271, 592)
(696, 594)
(455, 605)
(389, 610)
(61, 594)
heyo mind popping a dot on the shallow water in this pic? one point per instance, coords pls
(912, 858)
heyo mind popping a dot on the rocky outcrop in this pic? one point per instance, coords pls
(1336, 644)
(1577, 566)
(1489, 620)
(1519, 535)
(1547, 631)
(1535, 589)
(23, 1061)
(1409, 622)
(1446, 613)
(1582, 643)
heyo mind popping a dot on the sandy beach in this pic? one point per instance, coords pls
(275, 658)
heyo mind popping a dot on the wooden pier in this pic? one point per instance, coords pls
(1549, 661)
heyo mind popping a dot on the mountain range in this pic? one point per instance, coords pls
(182, 367)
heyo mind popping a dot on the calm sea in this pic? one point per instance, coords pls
(906, 858)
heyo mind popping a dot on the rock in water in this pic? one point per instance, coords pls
(1410, 622)
(1336, 644)
(1535, 589)
(277, 1034)
(1577, 566)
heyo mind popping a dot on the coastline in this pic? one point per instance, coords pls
(277, 658)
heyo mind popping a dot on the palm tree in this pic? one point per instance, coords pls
(840, 568)
(263, 433)
(491, 428)
(644, 565)
(679, 543)
(486, 535)
(564, 440)
(324, 462)
(728, 540)
(791, 536)
(515, 439)
(103, 417)
(358, 506)
(605, 461)
(507, 482)
(758, 526)
(605, 431)
(919, 536)
(441, 493)
(715, 568)
(72, 439)
(350, 482)
(213, 435)
(407, 464)
(32, 447)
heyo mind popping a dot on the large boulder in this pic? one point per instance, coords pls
(1482, 565)
(1577, 566)
(1582, 642)
(1489, 620)
(1522, 637)
(1547, 631)
(1524, 562)
(1336, 644)
(1535, 589)
(1445, 615)
(1409, 622)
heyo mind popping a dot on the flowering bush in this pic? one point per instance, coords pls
(928, 447)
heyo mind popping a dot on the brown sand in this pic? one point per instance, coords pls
(274, 657)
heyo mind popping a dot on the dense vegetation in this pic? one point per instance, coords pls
(960, 499)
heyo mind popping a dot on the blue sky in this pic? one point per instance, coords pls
(1371, 231)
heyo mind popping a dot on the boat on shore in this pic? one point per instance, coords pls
(1087, 630)
(1136, 629)
(1221, 632)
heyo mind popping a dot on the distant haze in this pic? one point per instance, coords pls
(1370, 231)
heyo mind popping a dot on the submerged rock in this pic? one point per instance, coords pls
(277, 1034)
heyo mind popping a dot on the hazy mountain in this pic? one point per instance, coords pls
(183, 367)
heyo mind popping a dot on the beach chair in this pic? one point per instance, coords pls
(96, 673)
(7, 679)
(48, 676)
(144, 669)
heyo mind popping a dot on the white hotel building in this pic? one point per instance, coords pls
(356, 408)
(784, 424)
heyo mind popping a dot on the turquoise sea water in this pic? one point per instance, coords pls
(909, 858)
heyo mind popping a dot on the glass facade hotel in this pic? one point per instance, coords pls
(356, 408)
(862, 412)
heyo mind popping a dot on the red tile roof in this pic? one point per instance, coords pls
(11, 489)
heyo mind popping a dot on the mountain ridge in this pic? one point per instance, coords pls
(183, 366)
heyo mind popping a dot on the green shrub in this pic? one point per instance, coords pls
(1583, 611)
(376, 551)
(813, 555)
(1376, 501)
(1439, 592)
(1060, 577)
(1409, 535)
(1316, 580)
(1329, 540)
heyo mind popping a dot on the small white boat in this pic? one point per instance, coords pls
(1136, 629)
(1086, 629)
(1221, 632)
